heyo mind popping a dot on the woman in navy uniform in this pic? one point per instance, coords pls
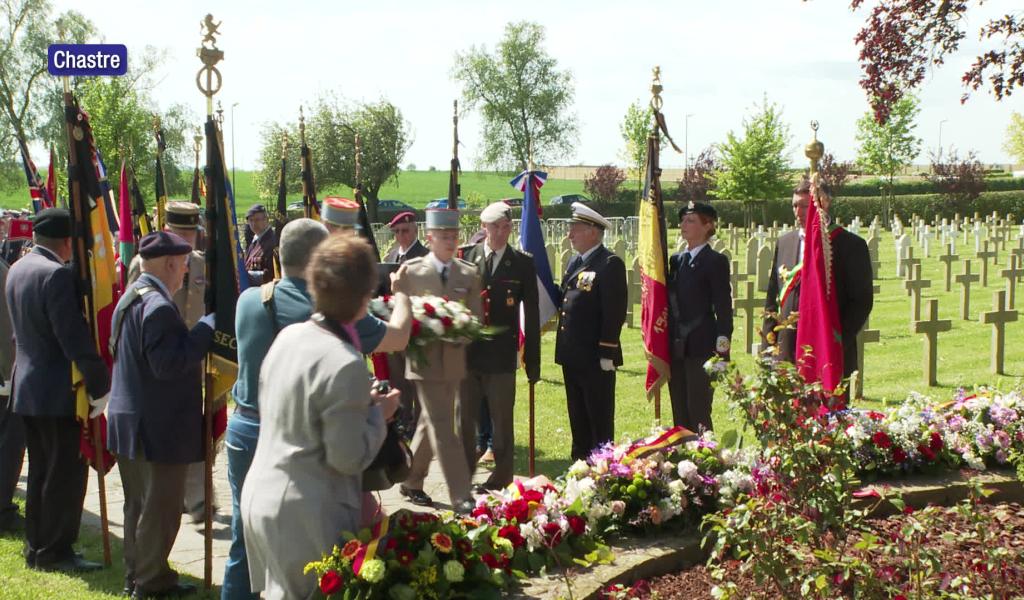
(700, 306)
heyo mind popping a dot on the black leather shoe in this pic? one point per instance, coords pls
(75, 564)
(464, 507)
(417, 497)
(178, 590)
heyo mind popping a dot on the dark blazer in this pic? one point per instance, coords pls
(260, 256)
(592, 313)
(415, 251)
(854, 290)
(49, 333)
(513, 283)
(156, 398)
(700, 303)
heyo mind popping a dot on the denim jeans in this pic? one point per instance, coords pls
(240, 441)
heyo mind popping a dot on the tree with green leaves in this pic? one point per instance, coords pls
(525, 101)
(887, 148)
(754, 164)
(1014, 144)
(635, 127)
(331, 128)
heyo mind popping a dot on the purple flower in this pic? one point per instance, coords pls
(619, 470)
(1001, 456)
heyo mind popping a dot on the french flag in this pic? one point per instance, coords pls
(531, 239)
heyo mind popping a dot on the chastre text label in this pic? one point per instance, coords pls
(87, 60)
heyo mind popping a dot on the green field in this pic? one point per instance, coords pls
(412, 187)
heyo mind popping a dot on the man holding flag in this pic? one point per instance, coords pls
(50, 333)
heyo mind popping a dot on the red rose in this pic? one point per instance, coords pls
(429, 309)
(483, 511)
(936, 442)
(553, 532)
(511, 533)
(386, 298)
(533, 496)
(874, 415)
(881, 440)
(926, 452)
(447, 322)
(899, 455)
(491, 561)
(517, 509)
(577, 525)
(415, 328)
(330, 582)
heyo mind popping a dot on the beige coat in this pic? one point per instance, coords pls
(318, 433)
(417, 277)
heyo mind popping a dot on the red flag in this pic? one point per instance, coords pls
(652, 253)
(51, 184)
(818, 329)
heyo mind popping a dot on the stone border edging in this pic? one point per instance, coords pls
(641, 558)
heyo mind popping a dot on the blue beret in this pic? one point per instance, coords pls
(254, 209)
(163, 243)
(52, 223)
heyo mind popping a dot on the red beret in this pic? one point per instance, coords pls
(403, 217)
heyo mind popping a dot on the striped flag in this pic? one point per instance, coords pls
(36, 189)
(652, 253)
(126, 234)
(531, 239)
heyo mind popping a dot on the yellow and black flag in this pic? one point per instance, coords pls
(161, 185)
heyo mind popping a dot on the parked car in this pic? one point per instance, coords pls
(395, 206)
(568, 199)
(513, 201)
(443, 203)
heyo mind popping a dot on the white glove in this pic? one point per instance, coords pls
(209, 320)
(5, 389)
(98, 405)
(607, 364)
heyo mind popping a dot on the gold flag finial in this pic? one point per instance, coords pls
(284, 144)
(656, 88)
(210, 55)
(197, 144)
(814, 150)
(302, 126)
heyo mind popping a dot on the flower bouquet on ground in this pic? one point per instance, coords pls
(435, 319)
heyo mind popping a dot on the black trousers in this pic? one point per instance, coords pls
(12, 457)
(56, 488)
(590, 397)
(690, 389)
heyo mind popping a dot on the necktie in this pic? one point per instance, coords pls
(401, 258)
(489, 266)
(444, 275)
(686, 259)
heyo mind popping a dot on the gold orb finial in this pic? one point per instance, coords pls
(814, 150)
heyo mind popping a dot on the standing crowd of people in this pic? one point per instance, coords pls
(309, 418)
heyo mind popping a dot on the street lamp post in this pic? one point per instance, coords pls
(234, 190)
(686, 145)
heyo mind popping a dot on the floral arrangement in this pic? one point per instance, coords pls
(434, 319)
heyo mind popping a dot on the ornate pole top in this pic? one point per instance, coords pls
(210, 55)
(220, 112)
(656, 88)
(284, 144)
(814, 150)
(302, 126)
(197, 143)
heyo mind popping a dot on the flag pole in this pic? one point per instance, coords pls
(210, 55)
(453, 176)
(532, 441)
(77, 204)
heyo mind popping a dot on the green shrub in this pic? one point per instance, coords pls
(874, 187)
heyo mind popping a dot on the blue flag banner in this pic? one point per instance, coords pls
(531, 239)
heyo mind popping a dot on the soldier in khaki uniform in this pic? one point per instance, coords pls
(437, 378)
(183, 220)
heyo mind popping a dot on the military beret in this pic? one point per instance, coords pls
(581, 213)
(699, 208)
(340, 212)
(495, 212)
(255, 209)
(183, 215)
(442, 218)
(402, 217)
(52, 223)
(162, 243)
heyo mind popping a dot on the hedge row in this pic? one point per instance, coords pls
(845, 208)
(873, 187)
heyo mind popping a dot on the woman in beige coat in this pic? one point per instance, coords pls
(321, 426)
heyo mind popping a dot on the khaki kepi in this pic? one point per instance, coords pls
(442, 218)
(182, 215)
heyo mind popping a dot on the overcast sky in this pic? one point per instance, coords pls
(717, 60)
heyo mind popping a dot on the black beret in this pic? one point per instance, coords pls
(700, 208)
(52, 223)
(163, 243)
(254, 209)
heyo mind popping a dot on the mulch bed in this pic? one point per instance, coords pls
(1007, 523)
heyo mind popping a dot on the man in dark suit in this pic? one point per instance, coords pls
(50, 333)
(851, 265)
(12, 430)
(509, 282)
(156, 411)
(259, 256)
(700, 316)
(407, 245)
(589, 323)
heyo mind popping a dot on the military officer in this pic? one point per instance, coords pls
(593, 309)
(182, 219)
(259, 255)
(700, 316)
(339, 214)
(509, 282)
(156, 411)
(407, 245)
(50, 333)
(437, 378)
